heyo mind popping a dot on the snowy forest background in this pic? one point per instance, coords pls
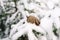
(13, 25)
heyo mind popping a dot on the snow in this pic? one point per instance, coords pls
(47, 12)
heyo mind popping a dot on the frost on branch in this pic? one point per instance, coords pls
(14, 13)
